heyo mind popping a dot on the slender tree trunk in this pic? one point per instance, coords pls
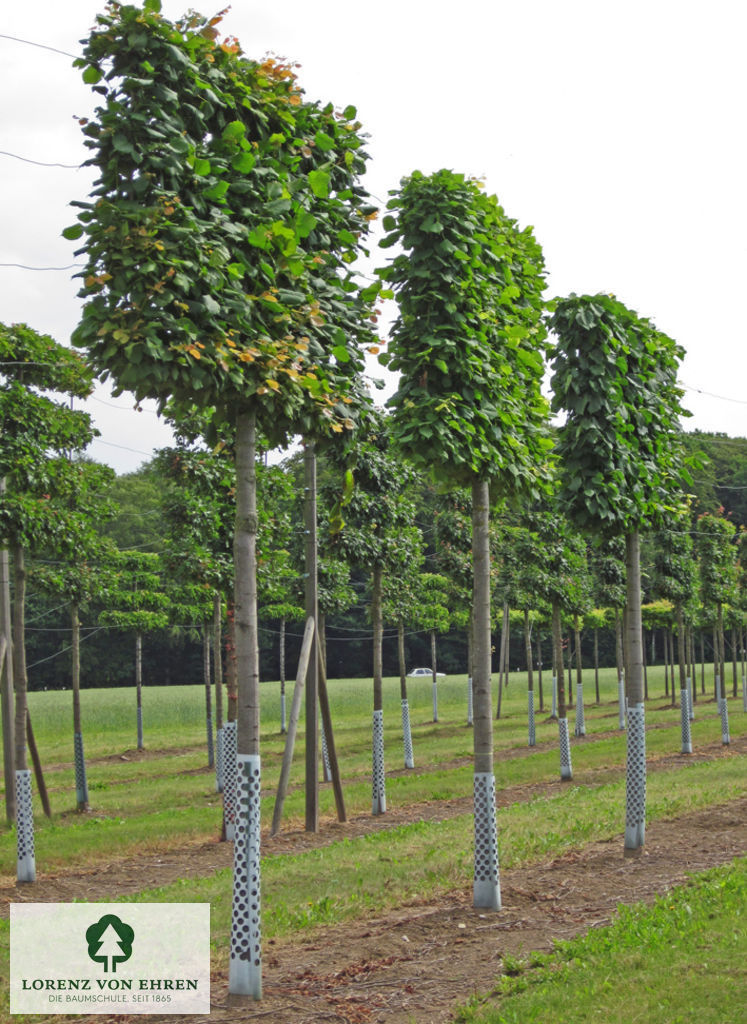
(6, 681)
(666, 663)
(245, 966)
(645, 666)
(218, 680)
(486, 884)
(290, 740)
(596, 664)
(580, 729)
(312, 611)
(434, 665)
(26, 860)
(378, 803)
(139, 687)
(635, 772)
(723, 705)
(282, 677)
(470, 670)
(502, 657)
(702, 662)
(406, 728)
(687, 745)
(566, 767)
(734, 661)
(208, 693)
(620, 660)
(81, 781)
(539, 669)
(530, 679)
(230, 775)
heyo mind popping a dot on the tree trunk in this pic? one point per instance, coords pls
(378, 802)
(502, 657)
(722, 703)
(81, 781)
(666, 663)
(580, 729)
(434, 674)
(596, 664)
(218, 680)
(470, 662)
(245, 966)
(734, 661)
(26, 861)
(635, 771)
(539, 669)
(566, 767)
(6, 682)
(530, 679)
(282, 677)
(139, 687)
(687, 745)
(702, 663)
(312, 611)
(208, 693)
(406, 727)
(486, 884)
(620, 660)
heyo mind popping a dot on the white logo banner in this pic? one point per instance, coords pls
(110, 958)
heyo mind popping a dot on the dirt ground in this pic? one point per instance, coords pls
(414, 964)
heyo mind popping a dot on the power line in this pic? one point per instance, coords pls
(40, 163)
(40, 46)
(23, 266)
(710, 394)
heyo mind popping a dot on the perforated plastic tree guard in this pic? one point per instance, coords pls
(635, 780)
(486, 886)
(245, 966)
(26, 863)
(378, 801)
(407, 735)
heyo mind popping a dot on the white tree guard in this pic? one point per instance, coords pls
(229, 779)
(580, 727)
(434, 689)
(210, 746)
(723, 710)
(407, 735)
(219, 756)
(554, 712)
(566, 767)
(283, 723)
(26, 862)
(326, 770)
(486, 887)
(378, 781)
(687, 743)
(635, 780)
(81, 782)
(532, 731)
(245, 966)
(621, 700)
(470, 703)
(139, 728)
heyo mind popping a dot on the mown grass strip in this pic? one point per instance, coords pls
(674, 962)
(425, 859)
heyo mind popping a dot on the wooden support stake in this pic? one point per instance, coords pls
(303, 664)
(334, 767)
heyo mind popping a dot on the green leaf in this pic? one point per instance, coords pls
(234, 130)
(91, 75)
(152, 5)
(341, 354)
(319, 182)
(350, 113)
(201, 167)
(218, 190)
(324, 142)
(73, 232)
(243, 163)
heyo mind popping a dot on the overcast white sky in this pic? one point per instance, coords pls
(615, 128)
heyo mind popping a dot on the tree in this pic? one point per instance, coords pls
(76, 577)
(217, 243)
(374, 537)
(136, 599)
(468, 342)
(718, 577)
(615, 377)
(37, 502)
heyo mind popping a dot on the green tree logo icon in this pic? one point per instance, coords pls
(110, 942)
